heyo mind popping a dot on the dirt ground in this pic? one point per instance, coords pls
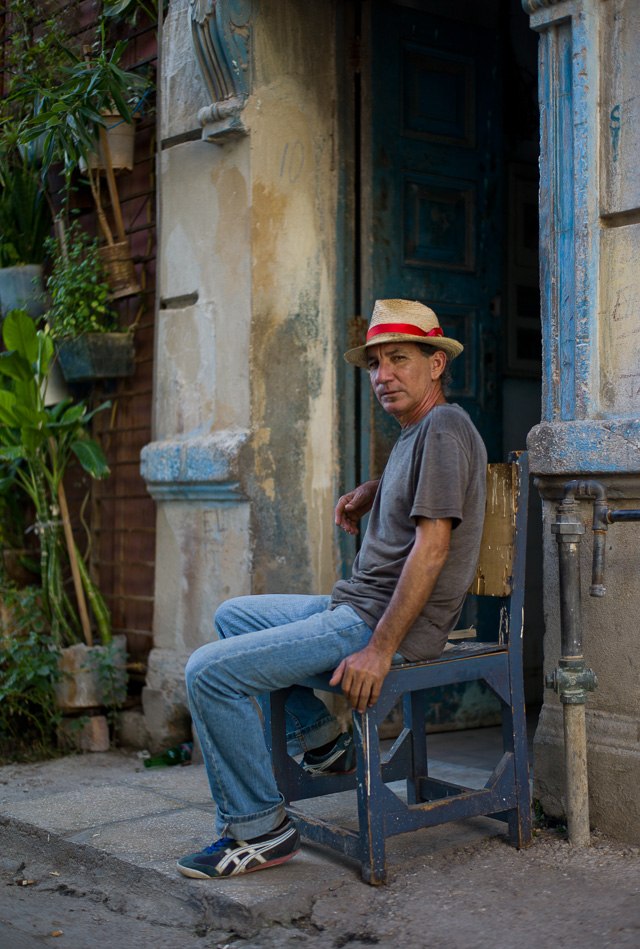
(488, 896)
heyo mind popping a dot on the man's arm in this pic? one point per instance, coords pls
(354, 505)
(363, 673)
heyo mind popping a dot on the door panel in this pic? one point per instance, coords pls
(432, 216)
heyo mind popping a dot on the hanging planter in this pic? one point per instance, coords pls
(81, 322)
(116, 254)
(25, 222)
(120, 136)
(121, 273)
(21, 288)
(97, 356)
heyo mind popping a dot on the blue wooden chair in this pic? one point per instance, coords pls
(498, 663)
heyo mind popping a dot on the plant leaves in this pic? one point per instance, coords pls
(73, 413)
(7, 402)
(91, 457)
(19, 333)
(45, 353)
(56, 410)
(12, 452)
(16, 366)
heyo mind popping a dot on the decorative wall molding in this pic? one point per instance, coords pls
(221, 34)
(221, 492)
(205, 468)
(533, 6)
(585, 446)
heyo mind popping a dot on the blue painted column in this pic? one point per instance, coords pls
(590, 428)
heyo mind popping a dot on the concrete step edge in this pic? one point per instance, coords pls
(139, 891)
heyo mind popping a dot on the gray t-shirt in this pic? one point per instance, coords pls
(436, 469)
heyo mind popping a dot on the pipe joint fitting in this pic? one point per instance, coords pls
(568, 532)
(571, 681)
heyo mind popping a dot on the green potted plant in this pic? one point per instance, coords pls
(36, 443)
(80, 318)
(69, 114)
(25, 224)
(73, 118)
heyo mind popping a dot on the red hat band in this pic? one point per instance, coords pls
(409, 328)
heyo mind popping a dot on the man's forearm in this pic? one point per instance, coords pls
(415, 586)
(363, 673)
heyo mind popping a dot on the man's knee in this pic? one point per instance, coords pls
(199, 661)
(225, 617)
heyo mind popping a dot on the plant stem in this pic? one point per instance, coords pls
(73, 560)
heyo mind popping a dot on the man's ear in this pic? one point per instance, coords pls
(438, 363)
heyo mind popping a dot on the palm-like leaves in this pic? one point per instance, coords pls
(68, 114)
(25, 215)
(36, 445)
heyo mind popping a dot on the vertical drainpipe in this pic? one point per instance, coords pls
(571, 680)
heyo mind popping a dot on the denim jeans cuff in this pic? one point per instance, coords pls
(243, 828)
(306, 739)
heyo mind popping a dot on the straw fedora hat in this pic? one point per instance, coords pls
(403, 321)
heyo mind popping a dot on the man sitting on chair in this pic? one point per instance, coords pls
(405, 595)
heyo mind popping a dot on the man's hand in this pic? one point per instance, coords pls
(354, 505)
(362, 675)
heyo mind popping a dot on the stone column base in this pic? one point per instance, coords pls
(613, 761)
(164, 701)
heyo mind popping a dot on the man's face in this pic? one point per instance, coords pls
(405, 381)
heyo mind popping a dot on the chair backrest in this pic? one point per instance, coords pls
(501, 564)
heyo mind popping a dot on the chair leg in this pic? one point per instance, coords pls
(413, 716)
(273, 712)
(371, 820)
(515, 739)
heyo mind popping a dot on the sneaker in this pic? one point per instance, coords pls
(227, 857)
(341, 759)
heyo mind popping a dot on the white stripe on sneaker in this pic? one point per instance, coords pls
(245, 852)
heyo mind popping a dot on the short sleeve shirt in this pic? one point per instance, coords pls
(437, 469)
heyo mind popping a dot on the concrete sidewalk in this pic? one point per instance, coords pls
(105, 819)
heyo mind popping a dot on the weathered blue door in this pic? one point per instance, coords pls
(431, 224)
(431, 203)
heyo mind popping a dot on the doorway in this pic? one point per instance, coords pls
(445, 205)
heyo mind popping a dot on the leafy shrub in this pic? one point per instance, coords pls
(28, 672)
(78, 288)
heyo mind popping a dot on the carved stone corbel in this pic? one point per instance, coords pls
(221, 34)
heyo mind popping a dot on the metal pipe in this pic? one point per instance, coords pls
(577, 788)
(570, 679)
(621, 516)
(600, 524)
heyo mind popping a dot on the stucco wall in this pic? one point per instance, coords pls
(242, 465)
(590, 215)
(293, 198)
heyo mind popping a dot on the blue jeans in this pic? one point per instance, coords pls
(266, 643)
